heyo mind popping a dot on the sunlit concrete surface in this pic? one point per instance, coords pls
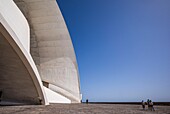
(83, 109)
(19, 77)
(37, 58)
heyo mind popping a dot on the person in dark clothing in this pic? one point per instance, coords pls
(0, 95)
(148, 103)
(143, 105)
(87, 101)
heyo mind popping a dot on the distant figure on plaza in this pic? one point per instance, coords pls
(151, 106)
(40, 100)
(143, 105)
(0, 96)
(87, 101)
(148, 103)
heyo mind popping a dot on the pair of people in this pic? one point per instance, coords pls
(150, 105)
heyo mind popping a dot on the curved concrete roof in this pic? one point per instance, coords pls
(51, 48)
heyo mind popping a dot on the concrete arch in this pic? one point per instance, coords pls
(19, 77)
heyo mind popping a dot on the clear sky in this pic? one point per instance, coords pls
(122, 48)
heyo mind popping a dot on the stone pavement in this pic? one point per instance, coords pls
(82, 109)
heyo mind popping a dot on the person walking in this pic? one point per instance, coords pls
(143, 105)
(151, 106)
(148, 103)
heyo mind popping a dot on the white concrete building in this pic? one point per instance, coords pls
(37, 58)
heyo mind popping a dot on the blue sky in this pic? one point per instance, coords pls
(122, 48)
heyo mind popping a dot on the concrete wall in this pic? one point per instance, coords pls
(51, 47)
(54, 97)
(19, 77)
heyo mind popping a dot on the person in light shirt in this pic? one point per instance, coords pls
(143, 105)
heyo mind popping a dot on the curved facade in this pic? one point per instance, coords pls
(41, 45)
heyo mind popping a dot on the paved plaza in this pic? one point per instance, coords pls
(82, 109)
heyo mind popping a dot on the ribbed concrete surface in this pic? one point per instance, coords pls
(51, 45)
